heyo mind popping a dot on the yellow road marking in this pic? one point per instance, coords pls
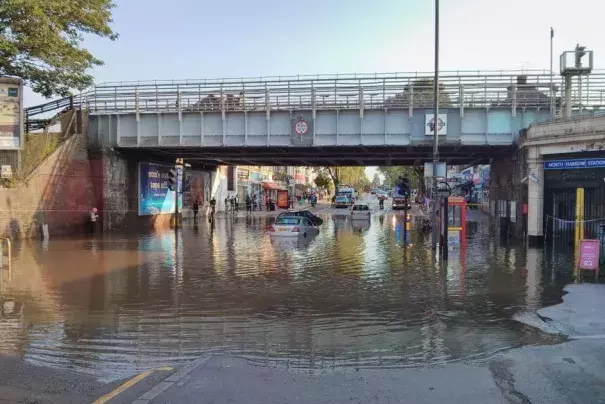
(128, 385)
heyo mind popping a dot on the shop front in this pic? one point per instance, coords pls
(574, 197)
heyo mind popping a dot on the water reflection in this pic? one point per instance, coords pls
(359, 293)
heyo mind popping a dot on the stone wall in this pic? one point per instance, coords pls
(59, 192)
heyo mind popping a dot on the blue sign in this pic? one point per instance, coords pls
(154, 196)
(573, 164)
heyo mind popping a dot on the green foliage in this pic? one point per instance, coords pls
(376, 181)
(414, 173)
(40, 41)
(422, 95)
(353, 176)
(36, 147)
(363, 184)
(323, 181)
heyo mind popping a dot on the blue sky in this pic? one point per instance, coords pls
(209, 39)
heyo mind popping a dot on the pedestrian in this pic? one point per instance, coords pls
(227, 203)
(212, 207)
(196, 207)
(236, 203)
(267, 201)
(93, 221)
(248, 204)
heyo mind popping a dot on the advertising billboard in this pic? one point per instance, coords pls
(11, 116)
(154, 196)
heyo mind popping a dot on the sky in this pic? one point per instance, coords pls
(195, 39)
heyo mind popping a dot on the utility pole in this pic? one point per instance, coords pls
(552, 90)
(436, 128)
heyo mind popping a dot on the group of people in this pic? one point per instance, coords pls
(253, 202)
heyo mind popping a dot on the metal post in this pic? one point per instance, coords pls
(445, 217)
(552, 91)
(567, 109)
(435, 127)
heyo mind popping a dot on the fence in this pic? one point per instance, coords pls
(461, 89)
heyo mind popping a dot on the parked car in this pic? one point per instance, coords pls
(315, 220)
(360, 211)
(292, 226)
(342, 201)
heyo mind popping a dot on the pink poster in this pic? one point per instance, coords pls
(589, 254)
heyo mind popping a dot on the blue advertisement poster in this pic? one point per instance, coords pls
(154, 196)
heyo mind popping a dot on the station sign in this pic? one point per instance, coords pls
(574, 164)
(429, 124)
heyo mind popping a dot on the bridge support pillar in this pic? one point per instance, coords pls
(535, 200)
(507, 196)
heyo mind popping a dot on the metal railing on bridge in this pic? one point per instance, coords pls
(461, 89)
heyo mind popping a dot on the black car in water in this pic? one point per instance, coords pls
(315, 220)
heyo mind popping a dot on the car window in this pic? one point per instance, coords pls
(288, 221)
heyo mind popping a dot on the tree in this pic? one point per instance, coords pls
(421, 93)
(363, 184)
(414, 173)
(323, 181)
(40, 41)
(353, 176)
(376, 181)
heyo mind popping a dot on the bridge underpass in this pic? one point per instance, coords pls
(324, 156)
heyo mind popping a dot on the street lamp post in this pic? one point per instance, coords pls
(435, 128)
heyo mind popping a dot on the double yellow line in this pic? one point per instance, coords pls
(128, 384)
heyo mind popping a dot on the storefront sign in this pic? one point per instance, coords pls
(11, 126)
(573, 164)
(589, 254)
(155, 197)
(243, 174)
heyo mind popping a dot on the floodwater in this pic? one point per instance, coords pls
(357, 294)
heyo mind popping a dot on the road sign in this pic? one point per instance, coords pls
(301, 127)
(589, 254)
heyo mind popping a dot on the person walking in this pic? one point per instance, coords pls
(196, 208)
(248, 204)
(212, 207)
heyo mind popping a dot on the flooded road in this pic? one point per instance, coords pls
(354, 295)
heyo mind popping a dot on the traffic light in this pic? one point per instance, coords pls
(579, 53)
(172, 179)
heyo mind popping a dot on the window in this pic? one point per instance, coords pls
(287, 221)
